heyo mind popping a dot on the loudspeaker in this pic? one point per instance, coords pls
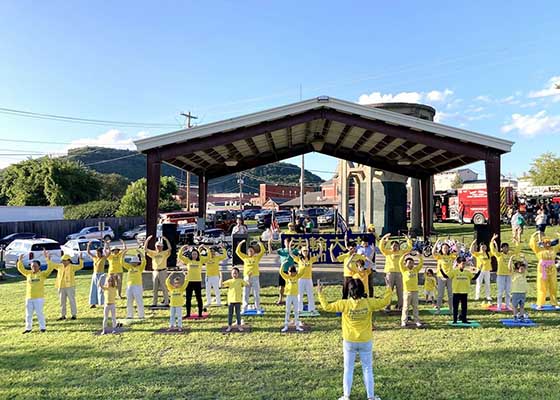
(170, 232)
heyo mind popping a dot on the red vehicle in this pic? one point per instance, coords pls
(475, 203)
(179, 217)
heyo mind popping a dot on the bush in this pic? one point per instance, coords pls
(93, 209)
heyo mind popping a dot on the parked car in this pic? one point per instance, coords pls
(311, 212)
(326, 219)
(221, 219)
(250, 214)
(93, 232)
(6, 240)
(283, 217)
(182, 230)
(32, 249)
(131, 234)
(75, 247)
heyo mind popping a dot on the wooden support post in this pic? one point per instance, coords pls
(202, 193)
(153, 171)
(426, 194)
(492, 170)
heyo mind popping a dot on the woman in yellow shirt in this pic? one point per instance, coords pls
(503, 275)
(484, 262)
(356, 331)
(305, 263)
(99, 259)
(115, 265)
(393, 275)
(445, 259)
(193, 264)
(547, 281)
(235, 287)
(135, 266)
(213, 277)
(461, 282)
(251, 274)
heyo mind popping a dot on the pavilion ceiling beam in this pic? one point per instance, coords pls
(363, 139)
(289, 135)
(456, 163)
(447, 160)
(343, 134)
(429, 156)
(271, 145)
(212, 153)
(233, 151)
(325, 129)
(451, 145)
(252, 145)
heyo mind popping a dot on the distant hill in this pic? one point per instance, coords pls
(132, 165)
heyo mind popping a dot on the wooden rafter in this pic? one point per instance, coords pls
(289, 135)
(271, 145)
(343, 134)
(363, 139)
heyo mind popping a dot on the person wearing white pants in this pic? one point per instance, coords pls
(445, 259)
(484, 263)
(65, 282)
(291, 291)
(305, 267)
(159, 269)
(110, 294)
(503, 275)
(34, 293)
(135, 266)
(99, 259)
(176, 289)
(213, 274)
(251, 273)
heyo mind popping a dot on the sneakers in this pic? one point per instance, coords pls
(26, 331)
(284, 329)
(418, 324)
(73, 317)
(61, 319)
(489, 299)
(403, 324)
(239, 328)
(228, 329)
(515, 318)
(299, 328)
(92, 306)
(43, 330)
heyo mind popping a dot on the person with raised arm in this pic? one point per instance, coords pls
(393, 275)
(159, 269)
(305, 266)
(410, 282)
(251, 274)
(484, 262)
(547, 281)
(135, 266)
(115, 265)
(461, 279)
(503, 275)
(65, 282)
(193, 264)
(213, 277)
(348, 259)
(99, 259)
(445, 259)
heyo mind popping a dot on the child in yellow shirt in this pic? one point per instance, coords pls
(518, 287)
(430, 286)
(34, 293)
(110, 294)
(292, 287)
(410, 287)
(176, 290)
(363, 273)
(235, 287)
(461, 282)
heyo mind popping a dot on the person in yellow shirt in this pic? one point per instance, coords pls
(305, 263)
(484, 262)
(518, 287)
(251, 274)
(292, 288)
(348, 260)
(410, 285)
(235, 287)
(135, 266)
(34, 292)
(393, 275)
(461, 279)
(193, 263)
(547, 281)
(159, 269)
(213, 277)
(110, 294)
(176, 288)
(503, 276)
(430, 286)
(115, 265)
(99, 259)
(445, 259)
(356, 331)
(65, 282)
(363, 274)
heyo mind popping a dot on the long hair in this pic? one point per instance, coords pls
(356, 289)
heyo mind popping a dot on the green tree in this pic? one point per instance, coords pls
(134, 201)
(23, 184)
(457, 182)
(545, 170)
(93, 209)
(113, 186)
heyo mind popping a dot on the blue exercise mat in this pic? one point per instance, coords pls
(253, 312)
(546, 307)
(512, 323)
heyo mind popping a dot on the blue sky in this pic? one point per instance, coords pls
(485, 66)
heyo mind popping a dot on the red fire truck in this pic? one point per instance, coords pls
(475, 202)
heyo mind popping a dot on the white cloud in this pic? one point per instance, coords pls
(531, 125)
(550, 90)
(484, 99)
(112, 138)
(378, 97)
(529, 104)
(510, 100)
(437, 96)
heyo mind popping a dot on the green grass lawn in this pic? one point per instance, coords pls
(68, 361)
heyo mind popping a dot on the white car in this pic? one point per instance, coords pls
(32, 249)
(75, 247)
(93, 232)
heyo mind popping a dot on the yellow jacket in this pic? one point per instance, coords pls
(292, 286)
(176, 294)
(65, 276)
(445, 262)
(213, 264)
(356, 315)
(364, 277)
(483, 261)
(115, 264)
(35, 287)
(250, 263)
(410, 276)
(461, 280)
(194, 268)
(99, 264)
(235, 290)
(350, 267)
(503, 268)
(429, 283)
(392, 258)
(134, 275)
(305, 266)
(542, 253)
(159, 259)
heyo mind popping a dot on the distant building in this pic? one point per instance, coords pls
(445, 180)
(481, 183)
(277, 192)
(312, 199)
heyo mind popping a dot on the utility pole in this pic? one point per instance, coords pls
(188, 116)
(240, 181)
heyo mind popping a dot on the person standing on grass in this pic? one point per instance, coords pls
(286, 261)
(363, 274)
(547, 281)
(135, 266)
(430, 286)
(518, 287)
(213, 277)
(517, 225)
(503, 275)
(115, 265)
(176, 290)
(34, 292)
(65, 282)
(349, 260)
(240, 228)
(445, 259)
(393, 275)
(159, 269)
(461, 213)
(541, 220)
(367, 249)
(305, 266)
(461, 282)
(235, 287)
(193, 264)
(110, 294)
(251, 274)
(410, 284)
(484, 262)
(99, 259)
(356, 331)
(292, 299)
